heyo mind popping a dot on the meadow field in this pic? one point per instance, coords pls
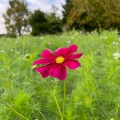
(92, 90)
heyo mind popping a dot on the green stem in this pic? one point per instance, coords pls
(10, 89)
(58, 108)
(64, 100)
(9, 82)
(55, 101)
(42, 115)
(14, 110)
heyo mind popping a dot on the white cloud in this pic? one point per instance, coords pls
(3, 7)
(2, 29)
(44, 5)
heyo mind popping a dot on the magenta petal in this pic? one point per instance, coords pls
(47, 54)
(44, 70)
(55, 70)
(75, 56)
(66, 51)
(62, 74)
(71, 50)
(44, 61)
(61, 52)
(58, 71)
(72, 64)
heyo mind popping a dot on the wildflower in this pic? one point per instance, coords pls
(2, 51)
(116, 56)
(41, 38)
(27, 56)
(81, 31)
(72, 37)
(33, 67)
(54, 64)
(112, 119)
(115, 43)
(49, 43)
(18, 52)
(68, 41)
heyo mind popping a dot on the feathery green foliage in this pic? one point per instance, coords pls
(16, 18)
(93, 91)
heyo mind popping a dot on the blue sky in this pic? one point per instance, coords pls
(44, 5)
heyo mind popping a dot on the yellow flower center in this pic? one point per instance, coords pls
(60, 59)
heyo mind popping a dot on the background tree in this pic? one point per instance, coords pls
(43, 23)
(16, 17)
(112, 13)
(67, 8)
(54, 21)
(85, 15)
(94, 14)
(38, 23)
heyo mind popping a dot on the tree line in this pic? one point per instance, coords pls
(78, 14)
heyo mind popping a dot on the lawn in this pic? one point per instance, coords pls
(92, 90)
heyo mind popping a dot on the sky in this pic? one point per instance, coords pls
(43, 5)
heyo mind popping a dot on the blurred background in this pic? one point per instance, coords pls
(38, 17)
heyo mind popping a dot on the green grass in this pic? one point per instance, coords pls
(93, 90)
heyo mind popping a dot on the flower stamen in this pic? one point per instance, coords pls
(60, 59)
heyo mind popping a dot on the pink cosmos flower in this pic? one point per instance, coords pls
(54, 64)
